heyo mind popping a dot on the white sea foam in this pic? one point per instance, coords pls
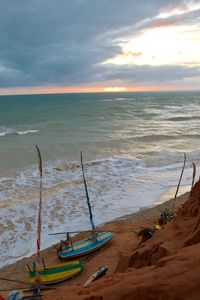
(27, 131)
(116, 187)
(11, 131)
(5, 131)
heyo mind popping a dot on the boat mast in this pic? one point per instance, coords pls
(87, 196)
(37, 259)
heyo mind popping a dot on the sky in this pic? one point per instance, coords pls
(51, 46)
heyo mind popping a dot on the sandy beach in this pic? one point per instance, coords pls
(99, 119)
(118, 256)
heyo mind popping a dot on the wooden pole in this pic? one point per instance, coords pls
(177, 189)
(87, 196)
(193, 174)
(37, 259)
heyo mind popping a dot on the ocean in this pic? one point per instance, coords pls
(132, 144)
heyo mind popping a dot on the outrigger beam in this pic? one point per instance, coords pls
(89, 230)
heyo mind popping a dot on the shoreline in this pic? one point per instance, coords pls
(163, 197)
(124, 241)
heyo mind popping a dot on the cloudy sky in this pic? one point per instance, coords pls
(99, 45)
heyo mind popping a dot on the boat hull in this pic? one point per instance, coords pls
(86, 246)
(57, 273)
(98, 274)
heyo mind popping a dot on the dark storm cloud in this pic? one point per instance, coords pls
(64, 42)
(150, 74)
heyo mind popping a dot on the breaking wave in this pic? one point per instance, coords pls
(10, 131)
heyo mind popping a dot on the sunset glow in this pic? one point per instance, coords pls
(115, 89)
(161, 46)
(58, 90)
(135, 46)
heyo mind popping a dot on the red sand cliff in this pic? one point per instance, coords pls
(166, 267)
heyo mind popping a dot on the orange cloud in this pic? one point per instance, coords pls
(164, 23)
(174, 15)
(134, 54)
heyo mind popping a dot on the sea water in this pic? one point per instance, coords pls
(132, 143)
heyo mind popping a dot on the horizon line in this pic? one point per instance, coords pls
(54, 91)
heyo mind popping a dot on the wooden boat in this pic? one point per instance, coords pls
(98, 274)
(85, 246)
(68, 249)
(57, 273)
(49, 274)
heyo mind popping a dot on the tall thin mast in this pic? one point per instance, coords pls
(177, 189)
(87, 196)
(193, 174)
(37, 259)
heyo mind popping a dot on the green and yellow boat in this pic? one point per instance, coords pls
(49, 274)
(56, 273)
